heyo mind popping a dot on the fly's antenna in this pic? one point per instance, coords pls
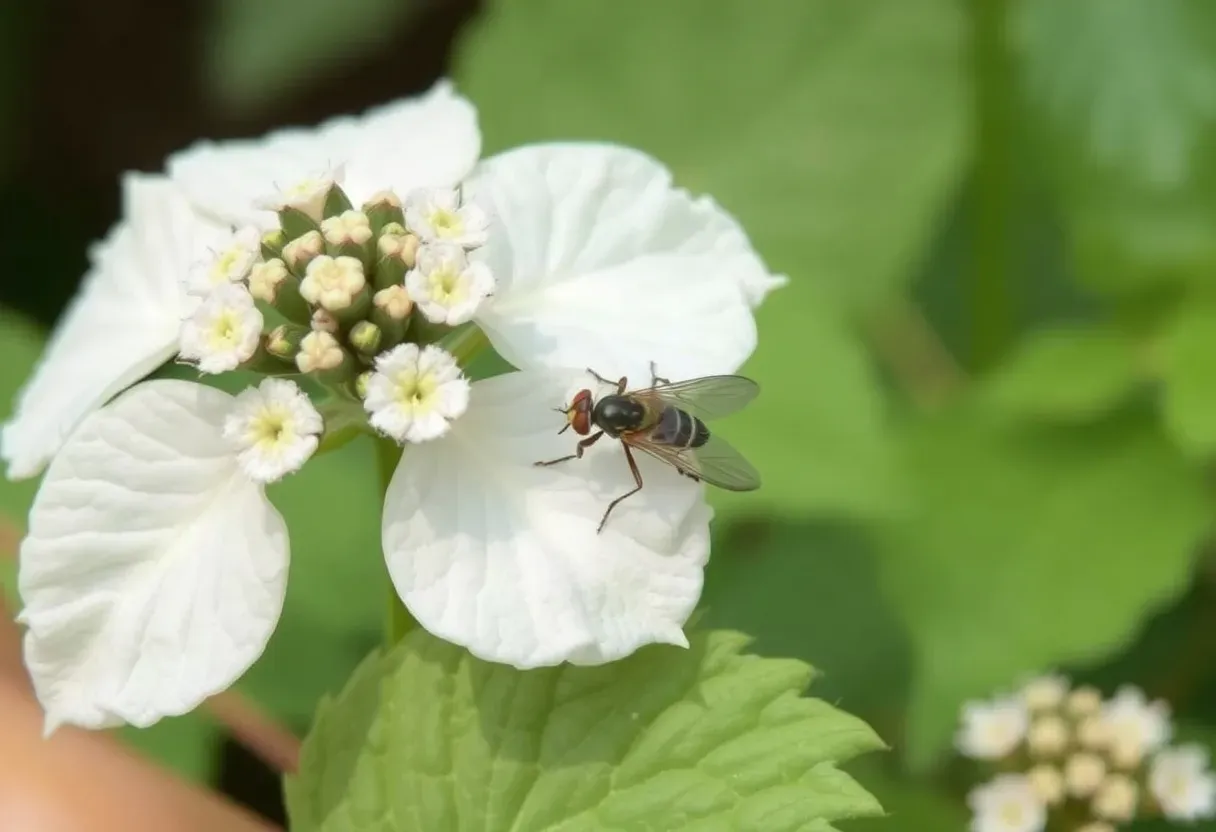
(565, 411)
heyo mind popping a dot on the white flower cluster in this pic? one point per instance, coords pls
(1104, 760)
(367, 254)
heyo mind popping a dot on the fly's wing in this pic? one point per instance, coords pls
(716, 462)
(707, 398)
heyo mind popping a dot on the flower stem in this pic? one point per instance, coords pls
(398, 620)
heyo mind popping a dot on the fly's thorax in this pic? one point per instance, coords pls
(616, 414)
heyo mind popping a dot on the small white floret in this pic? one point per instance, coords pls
(446, 287)
(414, 394)
(1135, 727)
(230, 264)
(440, 215)
(1182, 783)
(306, 195)
(992, 730)
(224, 330)
(1008, 803)
(274, 428)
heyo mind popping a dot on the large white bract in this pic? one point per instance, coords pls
(153, 573)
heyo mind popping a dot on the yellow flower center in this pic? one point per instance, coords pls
(415, 391)
(225, 330)
(270, 428)
(446, 223)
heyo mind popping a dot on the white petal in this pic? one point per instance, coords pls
(600, 262)
(154, 571)
(431, 139)
(493, 553)
(122, 324)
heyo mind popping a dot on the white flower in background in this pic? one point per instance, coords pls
(1008, 803)
(1135, 727)
(992, 730)
(431, 140)
(1096, 826)
(414, 394)
(1083, 702)
(122, 324)
(1045, 693)
(274, 428)
(154, 569)
(599, 262)
(223, 332)
(230, 263)
(445, 286)
(442, 215)
(1084, 773)
(1048, 736)
(1093, 732)
(1048, 783)
(1116, 799)
(1182, 783)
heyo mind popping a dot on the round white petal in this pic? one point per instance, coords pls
(274, 429)
(413, 394)
(992, 730)
(601, 263)
(121, 326)
(446, 287)
(1007, 803)
(224, 330)
(491, 552)
(1182, 784)
(154, 570)
(431, 139)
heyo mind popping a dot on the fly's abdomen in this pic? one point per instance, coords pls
(680, 430)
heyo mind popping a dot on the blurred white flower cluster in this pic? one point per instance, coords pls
(357, 267)
(1070, 758)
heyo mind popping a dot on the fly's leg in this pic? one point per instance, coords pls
(620, 385)
(583, 444)
(655, 378)
(637, 478)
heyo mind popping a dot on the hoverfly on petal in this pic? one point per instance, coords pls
(668, 421)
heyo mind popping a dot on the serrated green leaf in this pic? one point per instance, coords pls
(1187, 354)
(834, 131)
(1128, 91)
(1031, 549)
(1068, 373)
(187, 745)
(706, 739)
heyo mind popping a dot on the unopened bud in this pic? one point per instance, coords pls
(361, 381)
(1094, 733)
(336, 203)
(1096, 826)
(1048, 736)
(284, 341)
(1116, 799)
(319, 351)
(303, 250)
(382, 209)
(348, 228)
(1126, 753)
(332, 282)
(365, 337)
(1084, 701)
(394, 302)
(324, 321)
(265, 279)
(272, 244)
(1047, 783)
(396, 255)
(1083, 774)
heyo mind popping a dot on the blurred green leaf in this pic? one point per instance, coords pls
(428, 737)
(187, 745)
(20, 345)
(1128, 88)
(912, 804)
(834, 131)
(1067, 373)
(337, 589)
(1188, 373)
(258, 50)
(1031, 549)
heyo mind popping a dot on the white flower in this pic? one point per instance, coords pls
(1045, 693)
(1048, 783)
(231, 263)
(1116, 799)
(122, 325)
(992, 730)
(413, 395)
(154, 569)
(306, 194)
(1048, 736)
(1084, 773)
(223, 332)
(1083, 702)
(1135, 727)
(1008, 803)
(445, 286)
(1182, 783)
(428, 141)
(332, 282)
(599, 263)
(441, 215)
(274, 428)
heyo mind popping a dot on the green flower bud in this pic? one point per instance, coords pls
(382, 209)
(272, 244)
(301, 251)
(366, 338)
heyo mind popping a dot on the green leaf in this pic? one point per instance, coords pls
(700, 739)
(834, 131)
(1188, 373)
(336, 593)
(187, 745)
(20, 345)
(1031, 549)
(260, 50)
(912, 804)
(1127, 94)
(1070, 374)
